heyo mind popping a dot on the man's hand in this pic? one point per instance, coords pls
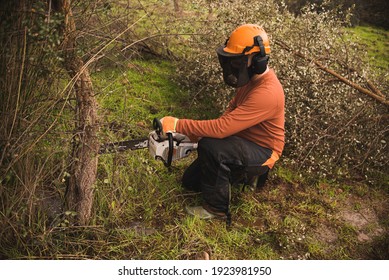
(169, 124)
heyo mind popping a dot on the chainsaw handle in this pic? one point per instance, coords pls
(157, 125)
(168, 163)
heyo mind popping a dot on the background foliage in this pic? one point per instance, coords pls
(149, 59)
(370, 12)
(330, 128)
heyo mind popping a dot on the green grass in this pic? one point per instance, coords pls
(375, 42)
(136, 94)
(131, 97)
(138, 210)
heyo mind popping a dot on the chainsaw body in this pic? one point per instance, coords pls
(168, 150)
(166, 147)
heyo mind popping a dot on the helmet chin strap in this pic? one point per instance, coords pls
(251, 72)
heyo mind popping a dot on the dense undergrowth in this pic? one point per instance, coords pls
(139, 205)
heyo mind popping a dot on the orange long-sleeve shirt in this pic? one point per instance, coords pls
(256, 113)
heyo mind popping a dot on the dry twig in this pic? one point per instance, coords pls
(376, 94)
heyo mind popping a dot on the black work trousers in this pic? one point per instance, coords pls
(221, 163)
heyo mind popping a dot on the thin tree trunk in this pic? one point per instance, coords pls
(83, 165)
(176, 6)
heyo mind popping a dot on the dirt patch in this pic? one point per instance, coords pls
(365, 223)
(327, 234)
(355, 225)
(365, 220)
(139, 229)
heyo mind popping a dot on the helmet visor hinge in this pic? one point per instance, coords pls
(257, 42)
(247, 49)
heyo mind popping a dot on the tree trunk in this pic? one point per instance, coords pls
(176, 6)
(83, 165)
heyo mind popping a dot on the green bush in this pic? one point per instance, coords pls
(331, 128)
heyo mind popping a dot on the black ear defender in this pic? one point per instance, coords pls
(260, 60)
(259, 64)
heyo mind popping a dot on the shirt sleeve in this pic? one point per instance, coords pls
(258, 106)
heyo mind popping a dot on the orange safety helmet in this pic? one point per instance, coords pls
(247, 39)
(233, 55)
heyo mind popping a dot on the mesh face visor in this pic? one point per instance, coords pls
(235, 71)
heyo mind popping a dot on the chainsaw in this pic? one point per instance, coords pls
(167, 148)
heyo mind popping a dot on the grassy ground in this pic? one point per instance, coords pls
(139, 204)
(376, 43)
(138, 210)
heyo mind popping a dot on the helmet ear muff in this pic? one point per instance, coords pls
(259, 63)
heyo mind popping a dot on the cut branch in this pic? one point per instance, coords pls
(377, 95)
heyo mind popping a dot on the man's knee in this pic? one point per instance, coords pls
(207, 143)
(208, 149)
(215, 148)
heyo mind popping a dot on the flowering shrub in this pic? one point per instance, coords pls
(331, 128)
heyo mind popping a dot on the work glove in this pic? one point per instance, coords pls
(168, 124)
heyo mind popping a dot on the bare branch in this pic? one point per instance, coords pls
(377, 95)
